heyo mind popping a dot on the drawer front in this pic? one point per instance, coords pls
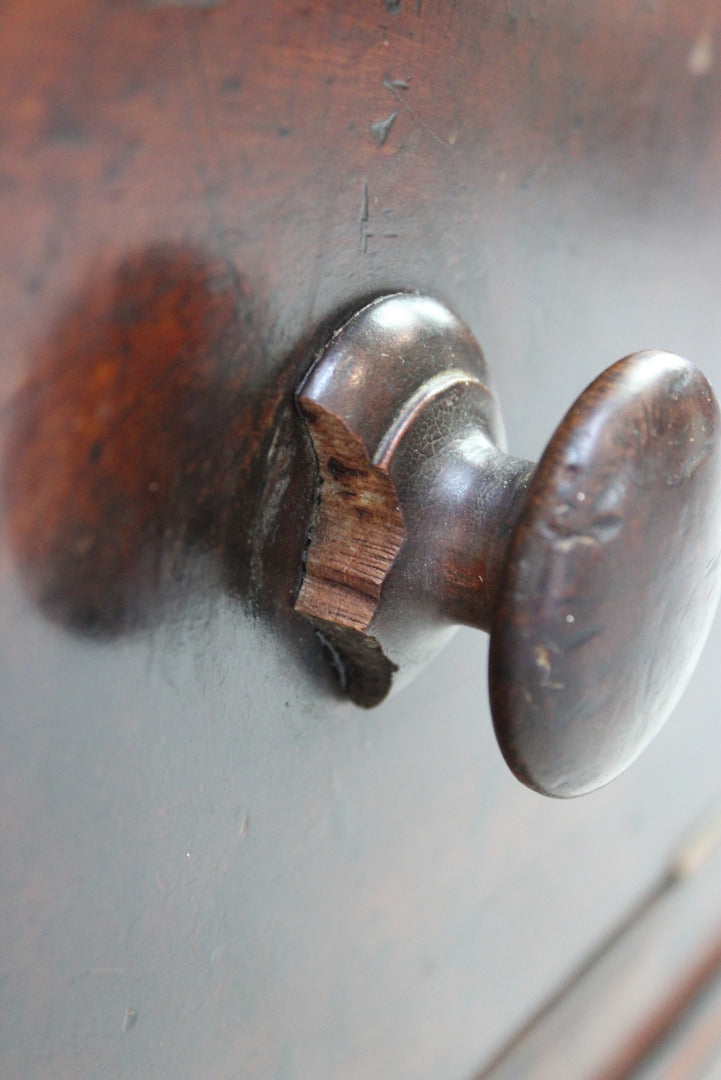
(213, 865)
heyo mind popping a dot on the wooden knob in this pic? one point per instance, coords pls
(611, 576)
(596, 572)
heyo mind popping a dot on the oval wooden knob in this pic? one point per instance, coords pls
(596, 572)
(611, 576)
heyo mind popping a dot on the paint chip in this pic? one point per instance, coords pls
(130, 1019)
(380, 130)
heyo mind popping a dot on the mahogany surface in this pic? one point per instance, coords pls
(210, 865)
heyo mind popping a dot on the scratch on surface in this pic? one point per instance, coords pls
(365, 233)
(542, 657)
(211, 164)
(220, 865)
(396, 88)
(130, 1019)
(363, 221)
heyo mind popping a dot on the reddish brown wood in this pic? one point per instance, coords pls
(353, 551)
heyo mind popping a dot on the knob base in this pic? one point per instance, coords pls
(399, 382)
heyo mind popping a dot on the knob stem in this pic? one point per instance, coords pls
(486, 492)
(460, 505)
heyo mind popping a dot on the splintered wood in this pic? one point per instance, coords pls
(358, 529)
